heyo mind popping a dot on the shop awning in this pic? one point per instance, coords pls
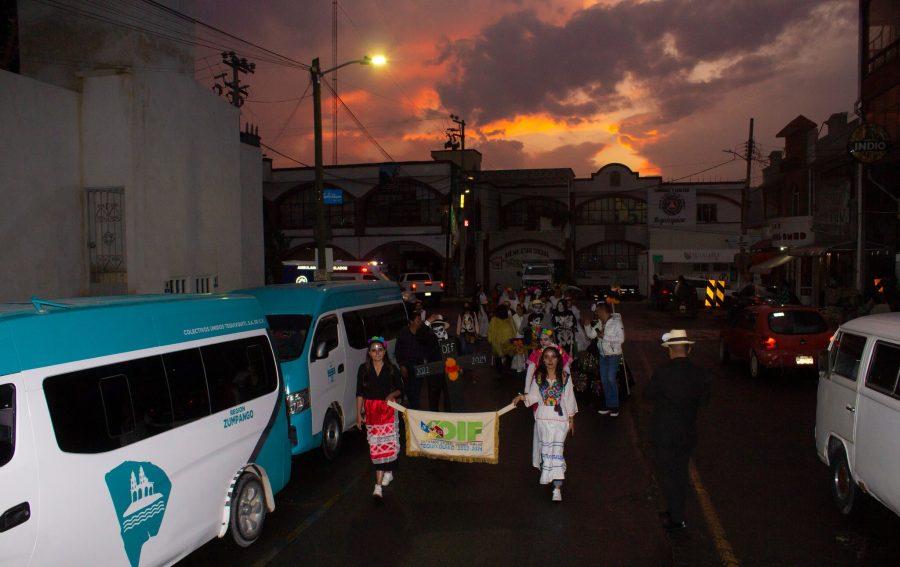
(822, 249)
(767, 266)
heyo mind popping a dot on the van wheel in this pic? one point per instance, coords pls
(843, 487)
(724, 356)
(757, 370)
(332, 435)
(248, 510)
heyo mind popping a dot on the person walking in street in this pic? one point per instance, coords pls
(467, 328)
(552, 396)
(416, 345)
(481, 305)
(564, 325)
(519, 317)
(677, 389)
(499, 334)
(610, 334)
(377, 383)
(437, 384)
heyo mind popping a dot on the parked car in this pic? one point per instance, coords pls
(755, 294)
(858, 412)
(768, 337)
(423, 286)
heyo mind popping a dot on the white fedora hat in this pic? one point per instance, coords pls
(675, 337)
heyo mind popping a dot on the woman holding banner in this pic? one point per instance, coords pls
(377, 383)
(553, 399)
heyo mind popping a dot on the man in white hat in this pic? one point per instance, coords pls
(678, 389)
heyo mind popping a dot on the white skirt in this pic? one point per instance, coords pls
(547, 450)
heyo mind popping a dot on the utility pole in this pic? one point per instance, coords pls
(334, 86)
(321, 233)
(236, 92)
(456, 140)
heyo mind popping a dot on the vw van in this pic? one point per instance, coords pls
(320, 331)
(858, 412)
(135, 429)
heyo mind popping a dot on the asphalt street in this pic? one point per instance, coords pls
(761, 495)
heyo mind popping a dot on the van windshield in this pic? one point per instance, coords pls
(289, 335)
(797, 323)
(537, 270)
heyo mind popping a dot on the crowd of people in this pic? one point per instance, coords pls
(557, 356)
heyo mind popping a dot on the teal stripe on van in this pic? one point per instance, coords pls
(93, 327)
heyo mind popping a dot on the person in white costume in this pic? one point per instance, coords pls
(552, 396)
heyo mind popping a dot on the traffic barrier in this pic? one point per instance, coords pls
(715, 293)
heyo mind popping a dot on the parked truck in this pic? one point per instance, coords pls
(423, 286)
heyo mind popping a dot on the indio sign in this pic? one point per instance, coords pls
(869, 143)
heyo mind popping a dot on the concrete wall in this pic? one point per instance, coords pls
(41, 220)
(252, 250)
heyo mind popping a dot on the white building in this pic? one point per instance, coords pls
(119, 172)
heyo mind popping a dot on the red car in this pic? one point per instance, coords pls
(766, 336)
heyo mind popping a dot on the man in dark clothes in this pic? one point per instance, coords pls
(678, 389)
(416, 344)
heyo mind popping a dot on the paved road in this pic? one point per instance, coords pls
(763, 494)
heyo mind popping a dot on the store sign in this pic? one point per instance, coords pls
(869, 143)
(672, 206)
(791, 231)
(333, 196)
(696, 255)
(513, 257)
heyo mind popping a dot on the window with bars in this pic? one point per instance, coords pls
(527, 213)
(707, 212)
(298, 209)
(608, 256)
(612, 210)
(405, 203)
(176, 285)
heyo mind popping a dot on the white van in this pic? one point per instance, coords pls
(135, 429)
(858, 411)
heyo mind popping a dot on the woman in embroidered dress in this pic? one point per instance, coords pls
(377, 383)
(553, 399)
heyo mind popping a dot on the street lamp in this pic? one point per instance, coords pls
(322, 229)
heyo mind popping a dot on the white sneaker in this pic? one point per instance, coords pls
(387, 478)
(557, 495)
(603, 412)
(377, 492)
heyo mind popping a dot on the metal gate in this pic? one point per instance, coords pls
(106, 235)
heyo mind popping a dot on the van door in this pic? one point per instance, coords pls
(877, 423)
(839, 390)
(327, 371)
(18, 475)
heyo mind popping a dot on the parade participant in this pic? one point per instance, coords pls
(467, 328)
(437, 383)
(500, 332)
(416, 345)
(610, 334)
(377, 383)
(518, 318)
(677, 390)
(519, 356)
(552, 394)
(534, 359)
(481, 303)
(564, 323)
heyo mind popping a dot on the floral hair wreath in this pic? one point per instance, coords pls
(377, 339)
(547, 332)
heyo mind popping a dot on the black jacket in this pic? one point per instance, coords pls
(678, 389)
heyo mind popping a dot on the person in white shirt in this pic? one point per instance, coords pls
(610, 334)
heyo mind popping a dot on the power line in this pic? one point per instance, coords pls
(294, 111)
(361, 126)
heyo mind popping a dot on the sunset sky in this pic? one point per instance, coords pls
(662, 86)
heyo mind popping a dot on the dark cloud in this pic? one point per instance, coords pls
(511, 154)
(522, 64)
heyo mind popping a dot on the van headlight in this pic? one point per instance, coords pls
(298, 401)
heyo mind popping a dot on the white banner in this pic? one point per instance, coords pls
(672, 206)
(467, 437)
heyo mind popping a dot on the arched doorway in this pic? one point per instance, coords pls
(408, 256)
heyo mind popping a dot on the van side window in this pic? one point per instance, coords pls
(117, 406)
(237, 372)
(7, 422)
(357, 336)
(386, 320)
(288, 334)
(327, 332)
(187, 385)
(884, 369)
(104, 408)
(846, 355)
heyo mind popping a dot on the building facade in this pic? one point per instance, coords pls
(121, 173)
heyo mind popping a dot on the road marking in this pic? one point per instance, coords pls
(306, 523)
(723, 546)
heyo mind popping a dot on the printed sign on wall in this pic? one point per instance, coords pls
(672, 206)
